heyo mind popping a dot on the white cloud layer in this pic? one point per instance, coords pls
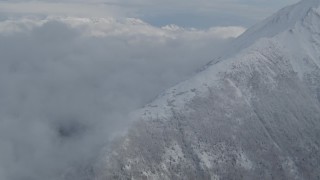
(67, 84)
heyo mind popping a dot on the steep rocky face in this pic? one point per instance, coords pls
(253, 115)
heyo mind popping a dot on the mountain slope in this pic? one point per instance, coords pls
(255, 114)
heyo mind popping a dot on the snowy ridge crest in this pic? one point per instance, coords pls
(298, 24)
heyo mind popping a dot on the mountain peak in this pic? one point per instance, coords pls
(315, 2)
(229, 119)
(285, 19)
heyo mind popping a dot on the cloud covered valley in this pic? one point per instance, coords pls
(68, 84)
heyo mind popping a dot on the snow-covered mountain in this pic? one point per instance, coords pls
(252, 114)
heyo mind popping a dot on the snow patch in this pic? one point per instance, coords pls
(244, 161)
(173, 154)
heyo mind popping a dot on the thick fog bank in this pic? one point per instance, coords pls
(68, 84)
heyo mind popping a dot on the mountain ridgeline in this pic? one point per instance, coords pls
(255, 114)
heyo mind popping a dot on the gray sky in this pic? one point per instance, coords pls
(185, 13)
